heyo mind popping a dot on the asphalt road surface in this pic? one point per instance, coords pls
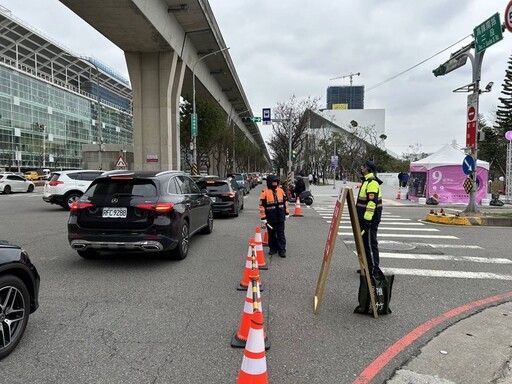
(140, 318)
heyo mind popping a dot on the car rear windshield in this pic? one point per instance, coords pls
(217, 186)
(132, 187)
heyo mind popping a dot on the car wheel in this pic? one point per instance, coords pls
(209, 224)
(70, 199)
(181, 251)
(88, 254)
(30, 188)
(7, 190)
(14, 312)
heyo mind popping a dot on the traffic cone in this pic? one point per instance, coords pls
(239, 338)
(442, 212)
(260, 255)
(298, 210)
(254, 362)
(265, 238)
(251, 268)
(398, 194)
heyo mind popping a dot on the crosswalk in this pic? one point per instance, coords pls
(406, 239)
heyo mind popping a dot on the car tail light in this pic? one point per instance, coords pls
(54, 183)
(78, 205)
(231, 195)
(157, 207)
(122, 177)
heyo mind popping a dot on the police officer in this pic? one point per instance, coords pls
(273, 213)
(369, 212)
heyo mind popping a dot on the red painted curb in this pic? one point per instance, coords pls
(374, 368)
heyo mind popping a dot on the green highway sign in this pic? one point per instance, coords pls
(251, 119)
(194, 125)
(488, 33)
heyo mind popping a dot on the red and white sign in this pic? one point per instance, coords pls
(508, 16)
(151, 158)
(121, 163)
(471, 123)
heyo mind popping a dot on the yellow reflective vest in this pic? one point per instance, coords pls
(369, 200)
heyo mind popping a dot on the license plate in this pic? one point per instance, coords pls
(114, 213)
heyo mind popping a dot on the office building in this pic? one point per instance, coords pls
(49, 98)
(345, 97)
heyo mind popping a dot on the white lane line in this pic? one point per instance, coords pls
(397, 228)
(449, 274)
(473, 259)
(405, 235)
(458, 246)
(383, 219)
(406, 221)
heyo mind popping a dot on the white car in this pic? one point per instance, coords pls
(9, 182)
(65, 187)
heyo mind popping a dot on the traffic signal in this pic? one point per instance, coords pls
(294, 154)
(441, 70)
(251, 119)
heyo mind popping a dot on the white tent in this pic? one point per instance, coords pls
(442, 174)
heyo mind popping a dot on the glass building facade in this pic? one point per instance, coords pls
(352, 96)
(49, 101)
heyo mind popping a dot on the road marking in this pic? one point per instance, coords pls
(449, 274)
(472, 259)
(458, 246)
(398, 229)
(405, 235)
(406, 221)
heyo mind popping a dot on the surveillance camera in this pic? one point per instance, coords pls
(488, 87)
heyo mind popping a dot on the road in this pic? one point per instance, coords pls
(145, 319)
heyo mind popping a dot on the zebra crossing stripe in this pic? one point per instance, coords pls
(449, 274)
(415, 236)
(397, 229)
(437, 246)
(473, 259)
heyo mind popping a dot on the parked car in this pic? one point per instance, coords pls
(9, 182)
(19, 295)
(65, 187)
(226, 196)
(147, 211)
(242, 181)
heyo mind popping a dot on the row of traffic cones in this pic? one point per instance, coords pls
(251, 333)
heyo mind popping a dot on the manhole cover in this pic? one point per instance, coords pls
(395, 246)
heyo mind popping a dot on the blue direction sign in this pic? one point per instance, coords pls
(267, 119)
(468, 165)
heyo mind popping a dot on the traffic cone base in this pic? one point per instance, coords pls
(298, 211)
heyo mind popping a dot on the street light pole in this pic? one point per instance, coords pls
(194, 170)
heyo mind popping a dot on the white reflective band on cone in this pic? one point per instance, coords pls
(254, 366)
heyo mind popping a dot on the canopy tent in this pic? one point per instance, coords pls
(441, 173)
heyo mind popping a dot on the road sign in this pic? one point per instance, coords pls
(508, 16)
(488, 33)
(468, 165)
(121, 163)
(334, 162)
(194, 124)
(266, 113)
(468, 184)
(471, 123)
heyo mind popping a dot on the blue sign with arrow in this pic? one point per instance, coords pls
(468, 165)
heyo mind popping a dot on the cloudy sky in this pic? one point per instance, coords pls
(294, 47)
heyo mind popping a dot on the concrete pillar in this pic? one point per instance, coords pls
(156, 79)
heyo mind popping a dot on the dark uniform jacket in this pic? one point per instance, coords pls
(273, 205)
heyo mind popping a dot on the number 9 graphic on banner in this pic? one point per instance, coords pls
(437, 176)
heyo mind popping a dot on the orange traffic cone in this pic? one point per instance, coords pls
(239, 338)
(398, 194)
(265, 238)
(298, 210)
(251, 268)
(260, 255)
(254, 363)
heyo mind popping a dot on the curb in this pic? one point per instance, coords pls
(475, 221)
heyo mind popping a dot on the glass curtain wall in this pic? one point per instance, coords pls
(38, 119)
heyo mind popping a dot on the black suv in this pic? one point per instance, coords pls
(226, 196)
(141, 212)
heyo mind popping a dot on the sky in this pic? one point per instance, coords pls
(291, 48)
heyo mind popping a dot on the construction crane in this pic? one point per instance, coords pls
(351, 76)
